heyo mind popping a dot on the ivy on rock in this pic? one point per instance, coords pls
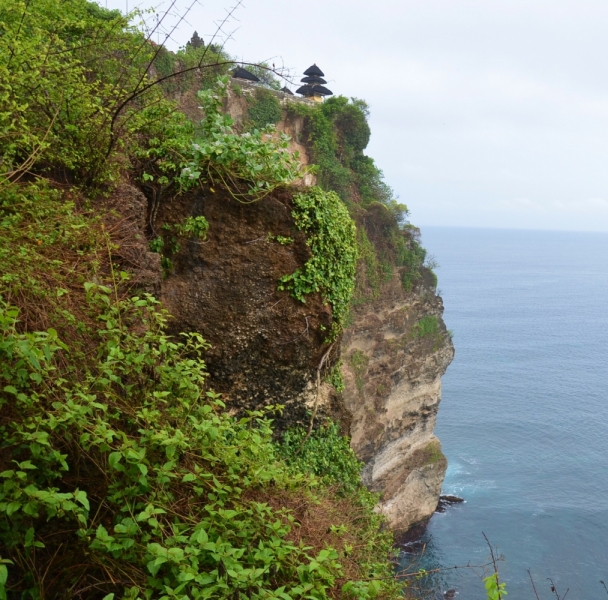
(331, 237)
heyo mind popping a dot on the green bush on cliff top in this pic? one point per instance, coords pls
(337, 133)
(250, 165)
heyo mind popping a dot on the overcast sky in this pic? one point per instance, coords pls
(484, 113)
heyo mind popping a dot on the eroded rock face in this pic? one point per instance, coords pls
(126, 220)
(266, 346)
(394, 355)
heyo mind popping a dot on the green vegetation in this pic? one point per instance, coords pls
(326, 454)
(337, 133)
(192, 228)
(375, 273)
(166, 64)
(250, 165)
(280, 239)
(121, 474)
(428, 326)
(358, 361)
(433, 452)
(56, 118)
(412, 258)
(330, 234)
(157, 485)
(495, 589)
(265, 110)
(335, 378)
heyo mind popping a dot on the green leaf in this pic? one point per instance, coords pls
(81, 497)
(114, 459)
(13, 507)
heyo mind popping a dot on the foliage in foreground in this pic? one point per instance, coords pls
(66, 69)
(325, 453)
(134, 474)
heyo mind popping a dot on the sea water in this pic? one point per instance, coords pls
(524, 416)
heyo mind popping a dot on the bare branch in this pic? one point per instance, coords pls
(494, 560)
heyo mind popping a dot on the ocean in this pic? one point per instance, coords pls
(524, 415)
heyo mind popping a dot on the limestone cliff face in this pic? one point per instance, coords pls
(394, 355)
(267, 348)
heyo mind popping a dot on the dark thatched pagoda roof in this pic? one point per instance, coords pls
(286, 90)
(314, 90)
(241, 73)
(313, 79)
(314, 70)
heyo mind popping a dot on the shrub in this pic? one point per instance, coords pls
(265, 110)
(325, 453)
(250, 165)
(428, 326)
(337, 133)
(66, 68)
(131, 472)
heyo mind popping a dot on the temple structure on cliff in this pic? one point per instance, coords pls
(313, 87)
(241, 73)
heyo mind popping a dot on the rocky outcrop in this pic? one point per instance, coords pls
(394, 355)
(126, 209)
(266, 347)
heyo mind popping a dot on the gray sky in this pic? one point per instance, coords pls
(485, 113)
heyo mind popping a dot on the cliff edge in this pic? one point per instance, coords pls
(268, 347)
(394, 355)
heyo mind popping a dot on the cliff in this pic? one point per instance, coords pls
(267, 348)
(165, 280)
(394, 355)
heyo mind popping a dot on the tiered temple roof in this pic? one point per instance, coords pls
(313, 84)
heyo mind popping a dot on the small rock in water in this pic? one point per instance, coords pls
(450, 594)
(445, 501)
(452, 499)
